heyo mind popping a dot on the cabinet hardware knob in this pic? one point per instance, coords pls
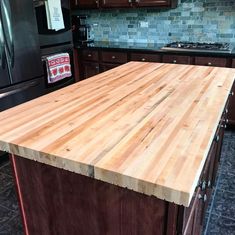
(143, 59)
(113, 57)
(89, 55)
(226, 111)
(224, 126)
(209, 183)
(174, 61)
(204, 198)
(217, 138)
(203, 186)
(226, 121)
(232, 93)
(209, 64)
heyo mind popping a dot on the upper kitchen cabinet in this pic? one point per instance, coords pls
(155, 3)
(124, 3)
(85, 3)
(116, 3)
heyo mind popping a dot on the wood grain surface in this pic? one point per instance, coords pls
(144, 126)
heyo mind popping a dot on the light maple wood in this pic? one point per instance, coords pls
(144, 126)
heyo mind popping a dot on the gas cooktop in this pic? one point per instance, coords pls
(199, 47)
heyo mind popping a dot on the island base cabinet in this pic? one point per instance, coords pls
(55, 201)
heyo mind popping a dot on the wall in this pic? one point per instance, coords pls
(192, 20)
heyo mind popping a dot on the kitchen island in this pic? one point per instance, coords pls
(133, 150)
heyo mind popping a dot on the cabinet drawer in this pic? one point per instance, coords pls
(233, 63)
(176, 59)
(90, 55)
(211, 61)
(114, 57)
(145, 57)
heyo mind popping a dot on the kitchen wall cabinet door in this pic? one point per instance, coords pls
(86, 3)
(116, 3)
(90, 69)
(156, 3)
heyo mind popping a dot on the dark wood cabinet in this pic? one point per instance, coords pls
(85, 3)
(231, 106)
(156, 3)
(90, 55)
(138, 3)
(176, 59)
(211, 61)
(116, 3)
(233, 63)
(106, 67)
(145, 57)
(90, 69)
(114, 57)
(192, 215)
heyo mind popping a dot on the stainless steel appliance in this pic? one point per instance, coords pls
(47, 36)
(81, 30)
(199, 47)
(67, 48)
(21, 71)
(53, 42)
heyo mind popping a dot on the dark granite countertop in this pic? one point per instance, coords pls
(146, 47)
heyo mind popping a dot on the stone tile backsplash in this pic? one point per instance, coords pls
(192, 20)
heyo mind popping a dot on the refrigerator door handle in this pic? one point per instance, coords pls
(5, 9)
(2, 45)
(17, 89)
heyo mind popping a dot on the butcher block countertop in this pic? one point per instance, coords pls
(144, 126)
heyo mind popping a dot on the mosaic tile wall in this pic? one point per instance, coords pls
(192, 20)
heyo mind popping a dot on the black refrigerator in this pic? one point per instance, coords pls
(21, 70)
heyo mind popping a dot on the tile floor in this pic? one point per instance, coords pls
(220, 217)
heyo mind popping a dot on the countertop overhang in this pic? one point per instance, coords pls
(144, 126)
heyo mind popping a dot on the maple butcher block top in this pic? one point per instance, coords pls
(144, 126)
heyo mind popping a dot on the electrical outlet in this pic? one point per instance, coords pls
(144, 24)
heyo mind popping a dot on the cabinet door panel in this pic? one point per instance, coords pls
(233, 63)
(211, 61)
(106, 67)
(192, 215)
(90, 69)
(116, 3)
(176, 59)
(87, 3)
(231, 108)
(145, 57)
